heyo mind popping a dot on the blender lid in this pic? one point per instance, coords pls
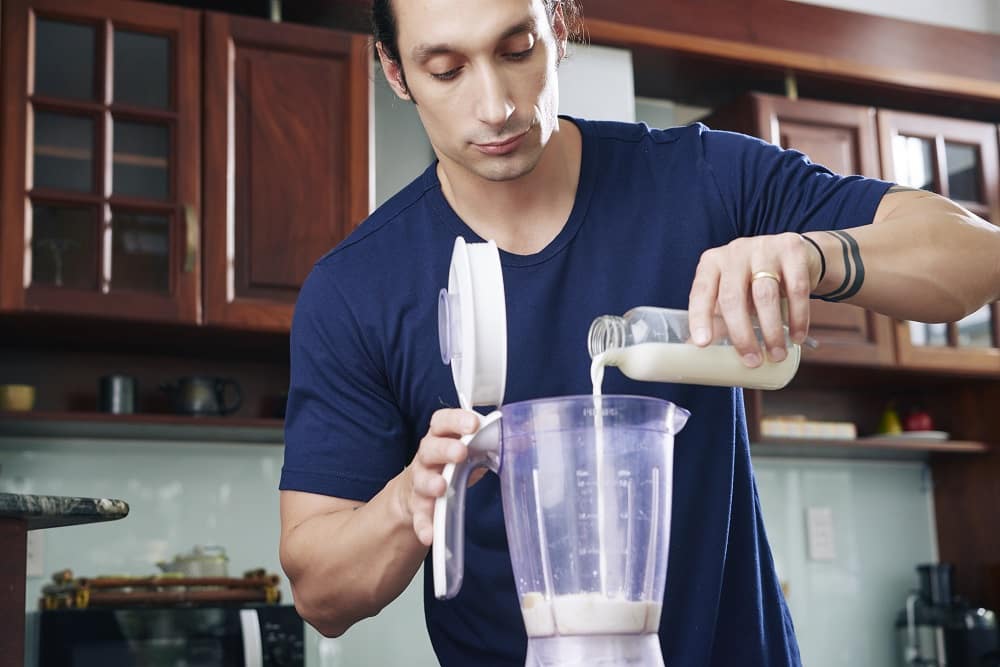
(472, 324)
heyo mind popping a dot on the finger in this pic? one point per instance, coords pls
(795, 271)
(427, 483)
(765, 289)
(734, 308)
(702, 298)
(453, 422)
(435, 452)
(423, 524)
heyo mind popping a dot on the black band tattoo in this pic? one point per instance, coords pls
(854, 269)
(822, 258)
(847, 275)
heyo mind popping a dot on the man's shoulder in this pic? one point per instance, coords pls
(639, 132)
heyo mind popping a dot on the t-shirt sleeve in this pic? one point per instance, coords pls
(768, 190)
(344, 433)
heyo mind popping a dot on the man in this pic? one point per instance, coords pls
(592, 218)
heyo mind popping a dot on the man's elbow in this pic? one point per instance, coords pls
(326, 626)
(328, 612)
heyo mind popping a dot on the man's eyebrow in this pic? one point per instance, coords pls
(423, 52)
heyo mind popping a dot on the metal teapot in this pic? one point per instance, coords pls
(204, 395)
(200, 562)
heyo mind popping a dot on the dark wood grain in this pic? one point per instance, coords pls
(966, 495)
(182, 301)
(297, 148)
(66, 377)
(13, 564)
(808, 38)
(12, 167)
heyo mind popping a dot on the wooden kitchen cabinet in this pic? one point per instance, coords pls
(843, 138)
(103, 213)
(101, 171)
(286, 161)
(957, 159)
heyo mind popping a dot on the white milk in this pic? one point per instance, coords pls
(716, 365)
(597, 379)
(588, 614)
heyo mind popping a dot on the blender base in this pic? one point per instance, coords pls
(594, 651)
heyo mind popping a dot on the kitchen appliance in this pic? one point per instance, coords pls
(937, 629)
(204, 395)
(585, 485)
(248, 636)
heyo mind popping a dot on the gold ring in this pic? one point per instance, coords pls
(765, 274)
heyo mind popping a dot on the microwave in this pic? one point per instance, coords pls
(244, 636)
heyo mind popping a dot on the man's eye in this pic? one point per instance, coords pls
(521, 55)
(446, 76)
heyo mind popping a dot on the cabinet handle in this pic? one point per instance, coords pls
(192, 235)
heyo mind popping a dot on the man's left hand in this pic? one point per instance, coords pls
(744, 283)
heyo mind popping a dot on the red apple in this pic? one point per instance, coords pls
(918, 420)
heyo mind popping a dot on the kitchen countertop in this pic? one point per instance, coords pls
(54, 511)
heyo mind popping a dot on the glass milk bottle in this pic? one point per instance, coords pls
(654, 345)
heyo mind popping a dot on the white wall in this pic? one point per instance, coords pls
(978, 15)
(402, 151)
(596, 82)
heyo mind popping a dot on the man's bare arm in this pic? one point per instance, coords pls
(924, 258)
(347, 560)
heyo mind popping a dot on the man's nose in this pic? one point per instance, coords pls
(495, 105)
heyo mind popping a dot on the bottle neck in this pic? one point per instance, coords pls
(607, 332)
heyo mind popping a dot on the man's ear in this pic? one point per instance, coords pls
(393, 73)
(560, 31)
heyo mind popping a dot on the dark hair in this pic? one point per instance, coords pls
(384, 22)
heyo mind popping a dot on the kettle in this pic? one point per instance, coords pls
(204, 395)
(200, 562)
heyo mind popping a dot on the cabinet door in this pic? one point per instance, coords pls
(843, 139)
(286, 161)
(957, 159)
(100, 189)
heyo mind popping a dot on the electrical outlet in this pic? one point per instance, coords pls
(820, 533)
(36, 555)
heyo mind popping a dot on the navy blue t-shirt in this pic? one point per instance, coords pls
(366, 373)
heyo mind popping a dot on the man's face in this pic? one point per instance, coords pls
(483, 74)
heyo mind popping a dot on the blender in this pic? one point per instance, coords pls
(585, 485)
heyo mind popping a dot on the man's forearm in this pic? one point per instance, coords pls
(924, 259)
(346, 566)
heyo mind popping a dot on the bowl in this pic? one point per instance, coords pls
(17, 397)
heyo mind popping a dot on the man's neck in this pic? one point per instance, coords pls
(525, 214)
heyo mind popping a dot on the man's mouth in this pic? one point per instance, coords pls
(503, 146)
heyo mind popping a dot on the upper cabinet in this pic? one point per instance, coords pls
(843, 138)
(101, 170)
(286, 161)
(105, 156)
(957, 159)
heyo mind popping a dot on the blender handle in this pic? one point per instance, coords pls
(448, 548)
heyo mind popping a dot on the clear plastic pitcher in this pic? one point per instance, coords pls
(586, 489)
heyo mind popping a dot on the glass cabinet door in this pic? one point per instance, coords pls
(111, 108)
(957, 159)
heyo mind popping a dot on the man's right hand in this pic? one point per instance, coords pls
(438, 448)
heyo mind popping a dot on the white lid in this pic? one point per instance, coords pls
(472, 324)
